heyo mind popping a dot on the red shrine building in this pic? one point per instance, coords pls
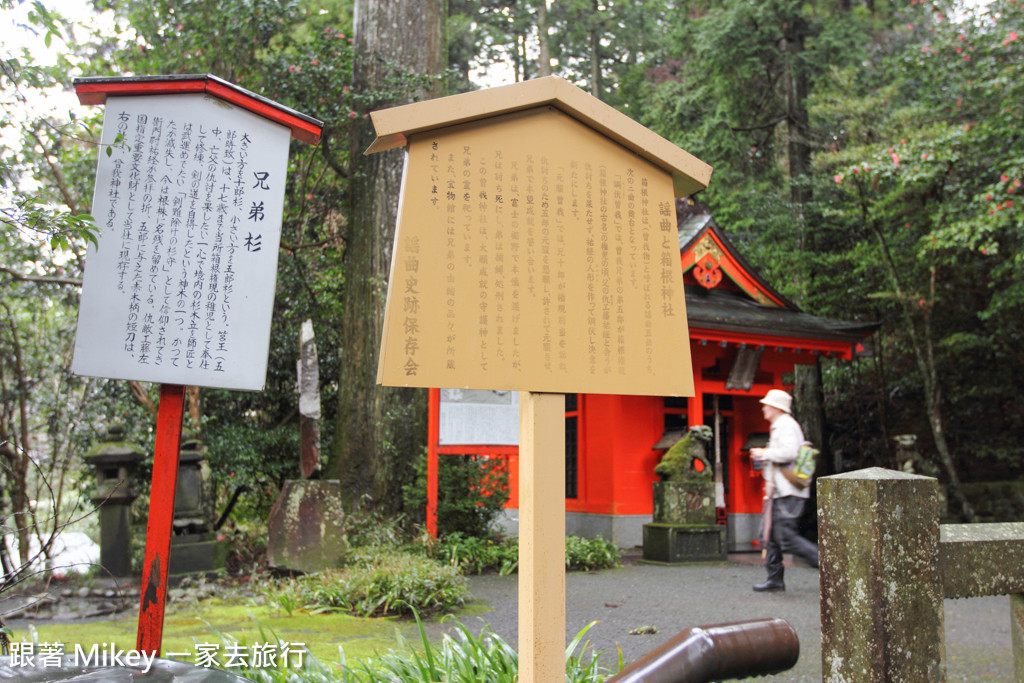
(745, 338)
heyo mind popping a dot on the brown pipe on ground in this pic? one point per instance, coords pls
(713, 653)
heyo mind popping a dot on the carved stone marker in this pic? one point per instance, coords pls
(307, 527)
(309, 403)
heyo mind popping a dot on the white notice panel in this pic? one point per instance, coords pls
(188, 207)
(479, 417)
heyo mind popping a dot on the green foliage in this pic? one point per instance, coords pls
(367, 526)
(472, 490)
(464, 657)
(596, 44)
(253, 455)
(467, 658)
(289, 665)
(35, 218)
(477, 554)
(389, 572)
(588, 554)
(908, 211)
(41, 206)
(247, 547)
(377, 582)
(480, 555)
(917, 195)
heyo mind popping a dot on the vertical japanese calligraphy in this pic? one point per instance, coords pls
(545, 258)
(188, 204)
(411, 305)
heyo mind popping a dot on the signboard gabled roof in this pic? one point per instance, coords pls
(395, 125)
(96, 89)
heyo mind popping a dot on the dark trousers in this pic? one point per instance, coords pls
(785, 538)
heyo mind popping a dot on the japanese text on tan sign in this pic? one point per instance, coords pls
(188, 205)
(533, 253)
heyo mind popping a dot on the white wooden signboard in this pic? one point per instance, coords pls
(188, 207)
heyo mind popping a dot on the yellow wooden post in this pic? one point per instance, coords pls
(541, 537)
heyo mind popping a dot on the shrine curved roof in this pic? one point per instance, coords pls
(728, 311)
(694, 223)
(748, 309)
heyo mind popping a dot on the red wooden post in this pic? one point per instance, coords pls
(433, 437)
(161, 516)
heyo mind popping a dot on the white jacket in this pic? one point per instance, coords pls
(784, 441)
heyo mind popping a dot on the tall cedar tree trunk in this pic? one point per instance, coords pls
(595, 54)
(809, 410)
(807, 391)
(15, 447)
(380, 430)
(799, 149)
(543, 40)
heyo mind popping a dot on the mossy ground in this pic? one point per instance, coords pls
(186, 625)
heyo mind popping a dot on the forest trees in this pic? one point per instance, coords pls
(300, 54)
(43, 229)
(923, 171)
(867, 155)
(280, 49)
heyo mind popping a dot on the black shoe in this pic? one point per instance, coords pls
(770, 586)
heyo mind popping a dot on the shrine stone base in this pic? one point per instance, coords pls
(196, 554)
(684, 528)
(680, 543)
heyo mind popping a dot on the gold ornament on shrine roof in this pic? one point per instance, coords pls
(705, 246)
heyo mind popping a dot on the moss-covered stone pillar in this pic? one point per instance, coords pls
(1017, 633)
(881, 590)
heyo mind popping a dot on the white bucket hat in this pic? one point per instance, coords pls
(776, 398)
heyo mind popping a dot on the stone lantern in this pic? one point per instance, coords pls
(194, 504)
(115, 461)
(194, 545)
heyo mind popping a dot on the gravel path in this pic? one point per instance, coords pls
(978, 645)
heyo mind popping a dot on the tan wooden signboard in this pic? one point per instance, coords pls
(536, 250)
(536, 246)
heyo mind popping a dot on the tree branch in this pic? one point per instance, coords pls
(308, 245)
(769, 124)
(140, 395)
(325, 147)
(43, 279)
(62, 186)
